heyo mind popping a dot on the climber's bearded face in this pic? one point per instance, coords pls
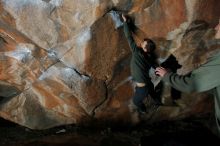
(217, 28)
(144, 46)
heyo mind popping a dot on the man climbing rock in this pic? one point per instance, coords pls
(141, 62)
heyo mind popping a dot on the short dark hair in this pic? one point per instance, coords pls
(150, 44)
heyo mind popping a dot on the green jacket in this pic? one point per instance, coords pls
(204, 78)
(140, 63)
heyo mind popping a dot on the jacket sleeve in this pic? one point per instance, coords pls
(183, 83)
(129, 38)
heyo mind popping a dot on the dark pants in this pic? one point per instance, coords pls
(141, 93)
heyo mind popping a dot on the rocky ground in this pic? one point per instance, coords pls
(185, 132)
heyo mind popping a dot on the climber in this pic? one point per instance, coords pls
(204, 78)
(141, 62)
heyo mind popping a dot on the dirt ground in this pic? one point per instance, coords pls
(186, 132)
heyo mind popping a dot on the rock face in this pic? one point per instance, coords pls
(63, 61)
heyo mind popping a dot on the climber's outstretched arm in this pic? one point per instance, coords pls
(128, 35)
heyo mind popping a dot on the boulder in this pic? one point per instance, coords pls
(64, 62)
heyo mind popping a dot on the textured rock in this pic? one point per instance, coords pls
(63, 62)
